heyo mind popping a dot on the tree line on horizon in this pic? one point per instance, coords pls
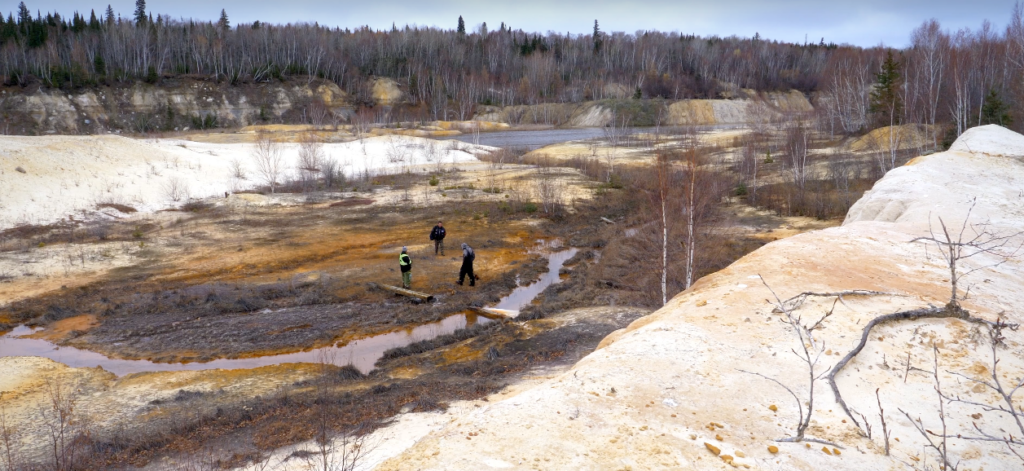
(953, 79)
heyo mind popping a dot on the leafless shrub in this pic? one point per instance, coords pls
(268, 158)
(237, 170)
(759, 115)
(551, 193)
(332, 173)
(317, 113)
(333, 450)
(433, 155)
(65, 432)
(176, 189)
(840, 172)
(396, 155)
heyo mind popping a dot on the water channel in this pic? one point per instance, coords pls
(362, 353)
(535, 139)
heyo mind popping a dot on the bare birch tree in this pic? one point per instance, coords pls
(268, 159)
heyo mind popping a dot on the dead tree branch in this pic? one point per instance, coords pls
(795, 302)
(947, 311)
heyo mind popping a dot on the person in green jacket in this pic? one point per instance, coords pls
(405, 263)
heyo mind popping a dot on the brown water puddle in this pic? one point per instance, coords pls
(362, 353)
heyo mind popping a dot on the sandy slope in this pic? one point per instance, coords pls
(68, 176)
(656, 393)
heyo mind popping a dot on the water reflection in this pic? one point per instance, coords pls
(362, 353)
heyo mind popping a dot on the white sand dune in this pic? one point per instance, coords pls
(68, 176)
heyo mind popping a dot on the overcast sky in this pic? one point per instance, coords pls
(860, 22)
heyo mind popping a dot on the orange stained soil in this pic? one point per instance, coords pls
(360, 253)
(462, 353)
(59, 331)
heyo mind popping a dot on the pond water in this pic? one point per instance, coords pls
(362, 353)
(535, 139)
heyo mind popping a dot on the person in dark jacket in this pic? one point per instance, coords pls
(437, 235)
(467, 265)
(405, 263)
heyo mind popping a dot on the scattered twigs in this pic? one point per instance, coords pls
(907, 372)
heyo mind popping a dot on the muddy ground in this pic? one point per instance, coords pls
(232, 281)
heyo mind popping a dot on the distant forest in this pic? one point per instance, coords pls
(957, 79)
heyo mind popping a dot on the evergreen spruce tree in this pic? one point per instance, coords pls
(110, 15)
(597, 38)
(94, 23)
(994, 111)
(99, 66)
(10, 31)
(140, 13)
(223, 23)
(885, 98)
(461, 30)
(24, 16)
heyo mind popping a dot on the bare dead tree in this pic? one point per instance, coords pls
(310, 159)
(64, 431)
(614, 133)
(954, 251)
(269, 159)
(810, 353)
(396, 155)
(332, 173)
(550, 191)
(797, 153)
(964, 246)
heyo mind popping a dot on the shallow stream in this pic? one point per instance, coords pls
(362, 353)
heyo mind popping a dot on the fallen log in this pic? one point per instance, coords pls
(608, 221)
(405, 292)
(498, 313)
